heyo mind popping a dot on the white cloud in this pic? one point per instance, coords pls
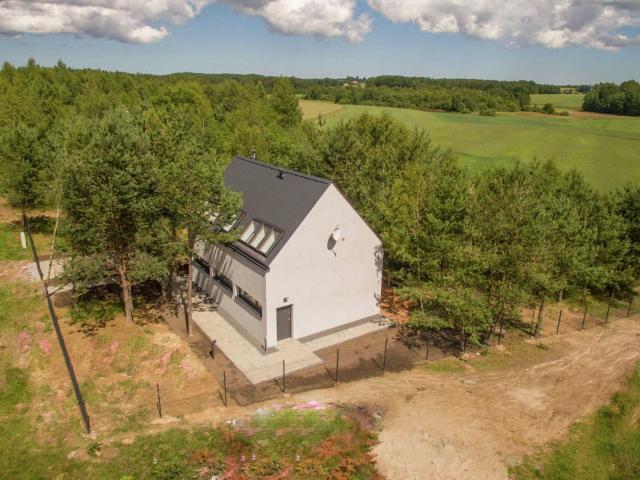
(326, 18)
(140, 21)
(125, 20)
(550, 23)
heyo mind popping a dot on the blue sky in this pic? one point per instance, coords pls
(219, 38)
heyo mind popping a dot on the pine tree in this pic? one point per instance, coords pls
(111, 205)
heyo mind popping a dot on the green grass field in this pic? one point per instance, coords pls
(312, 108)
(605, 149)
(568, 101)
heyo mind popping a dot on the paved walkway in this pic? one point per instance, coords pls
(346, 334)
(254, 363)
(56, 269)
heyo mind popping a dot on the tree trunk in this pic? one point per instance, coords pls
(492, 329)
(167, 284)
(53, 244)
(561, 295)
(540, 318)
(189, 295)
(126, 290)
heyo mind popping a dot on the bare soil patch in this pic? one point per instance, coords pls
(474, 423)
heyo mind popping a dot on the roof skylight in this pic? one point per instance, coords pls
(260, 236)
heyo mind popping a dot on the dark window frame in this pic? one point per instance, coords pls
(223, 282)
(202, 264)
(247, 300)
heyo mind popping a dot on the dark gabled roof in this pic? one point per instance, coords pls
(277, 196)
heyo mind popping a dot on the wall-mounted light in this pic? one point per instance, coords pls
(285, 299)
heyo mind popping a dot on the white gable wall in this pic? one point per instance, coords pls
(327, 288)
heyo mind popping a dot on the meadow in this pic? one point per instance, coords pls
(311, 109)
(566, 101)
(606, 149)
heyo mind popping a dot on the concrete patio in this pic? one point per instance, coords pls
(260, 366)
(347, 333)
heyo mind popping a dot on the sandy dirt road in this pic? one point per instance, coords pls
(474, 424)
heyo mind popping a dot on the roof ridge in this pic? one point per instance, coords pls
(285, 170)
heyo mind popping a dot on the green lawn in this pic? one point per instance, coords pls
(605, 149)
(569, 101)
(606, 447)
(11, 248)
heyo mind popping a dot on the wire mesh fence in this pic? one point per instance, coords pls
(389, 350)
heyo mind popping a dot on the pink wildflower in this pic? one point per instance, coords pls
(45, 346)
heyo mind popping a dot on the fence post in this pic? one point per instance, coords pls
(158, 402)
(284, 378)
(426, 357)
(337, 365)
(500, 335)
(606, 317)
(559, 318)
(584, 317)
(224, 384)
(629, 309)
(384, 360)
(213, 349)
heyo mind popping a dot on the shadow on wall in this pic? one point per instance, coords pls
(222, 263)
(331, 243)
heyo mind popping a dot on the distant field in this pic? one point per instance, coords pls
(312, 108)
(569, 101)
(605, 149)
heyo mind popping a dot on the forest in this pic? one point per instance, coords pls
(134, 163)
(623, 99)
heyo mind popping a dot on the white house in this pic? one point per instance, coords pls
(305, 262)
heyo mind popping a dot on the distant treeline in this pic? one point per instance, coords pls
(434, 97)
(474, 84)
(623, 99)
(451, 95)
(454, 95)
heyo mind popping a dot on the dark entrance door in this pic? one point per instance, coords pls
(283, 316)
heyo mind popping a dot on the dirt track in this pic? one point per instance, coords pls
(473, 425)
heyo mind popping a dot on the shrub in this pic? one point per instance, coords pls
(488, 112)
